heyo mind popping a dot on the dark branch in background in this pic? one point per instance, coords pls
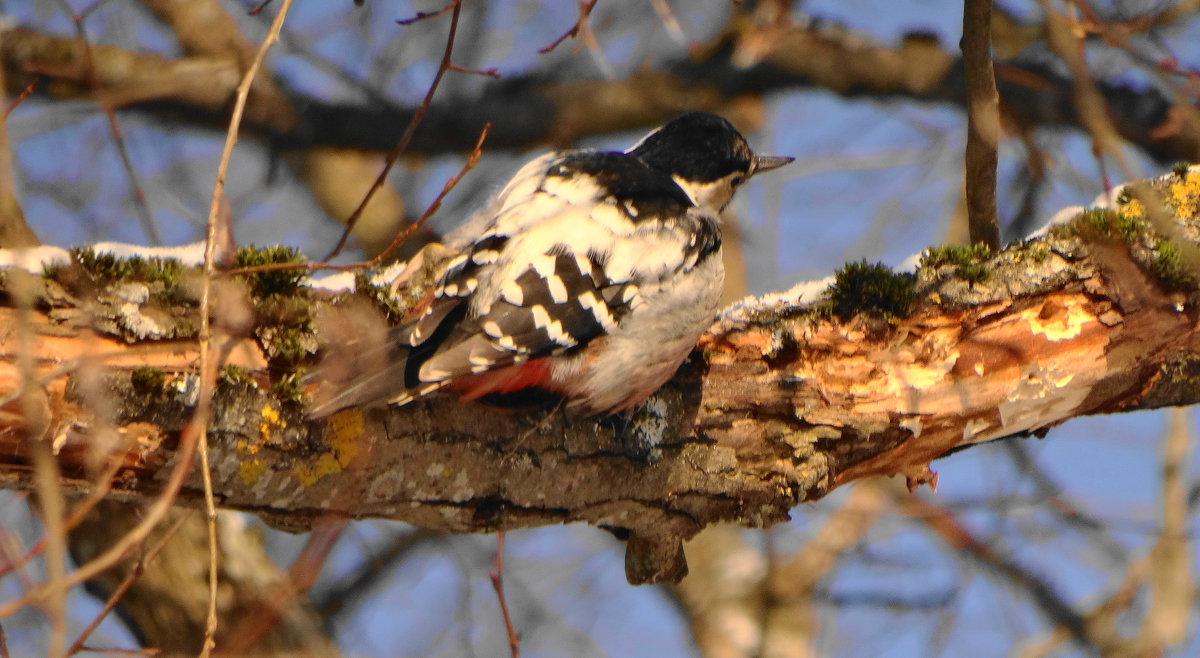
(540, 108)
(983, 123)
(422, 15)
(401, 237)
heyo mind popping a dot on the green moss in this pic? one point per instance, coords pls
(1103, 223)
(975, 273)
(381, 296)
(52, 270)
(1169, 266)
(271, 282)
(105, 267)
(968, 261)
(289, 345)
(1095, 221)
(289, 387)
(147, 380)
(1039, 252)
(231, 375)
(872, 288)
(955, 255)
(1130, 227)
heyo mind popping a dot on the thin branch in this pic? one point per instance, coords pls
(96, 493)
(402, 145)
(433, 207)
(130, 578)
(369, 573)
(581, 26)
(424, 15)
(430, 210)
(957, 536)
(25, 93)
(298, 579)
(207, 364)
(496, 574)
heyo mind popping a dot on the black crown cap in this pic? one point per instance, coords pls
(698, 146)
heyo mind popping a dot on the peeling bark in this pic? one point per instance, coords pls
(781, 403)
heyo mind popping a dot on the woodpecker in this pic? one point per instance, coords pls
(591, 274)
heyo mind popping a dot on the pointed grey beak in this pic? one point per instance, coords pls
(763, 163)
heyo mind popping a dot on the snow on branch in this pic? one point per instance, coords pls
(789, 396)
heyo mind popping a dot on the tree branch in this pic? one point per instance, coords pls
(540, 108)
(783, 401)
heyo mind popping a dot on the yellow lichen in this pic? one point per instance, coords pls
(1185, 195)
(269, 420)
(1134, 208)
(346, 427)
(251, 469)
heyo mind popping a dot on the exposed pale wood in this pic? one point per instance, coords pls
(778, 406)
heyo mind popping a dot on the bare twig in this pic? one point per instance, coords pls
(983, 123)
(472, 160)
(258, 9)
(957, 536)
(402, 145)
(125, 584)
(423, 15)
(669, 21)
(207, 365)
(96, 493)
(373, 566)
(25, 93)
(585, 10)
(496, 573)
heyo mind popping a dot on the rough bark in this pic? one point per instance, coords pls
(781, 403)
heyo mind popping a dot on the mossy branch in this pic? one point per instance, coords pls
(783, 401)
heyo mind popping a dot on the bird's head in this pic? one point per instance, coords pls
(705, 155)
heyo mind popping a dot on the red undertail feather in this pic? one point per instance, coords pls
(535, 373)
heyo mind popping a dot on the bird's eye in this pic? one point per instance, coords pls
(737, 180)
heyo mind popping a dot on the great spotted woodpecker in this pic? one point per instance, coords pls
(591, 274)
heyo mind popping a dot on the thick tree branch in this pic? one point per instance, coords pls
(783, 401)
(539, 108)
